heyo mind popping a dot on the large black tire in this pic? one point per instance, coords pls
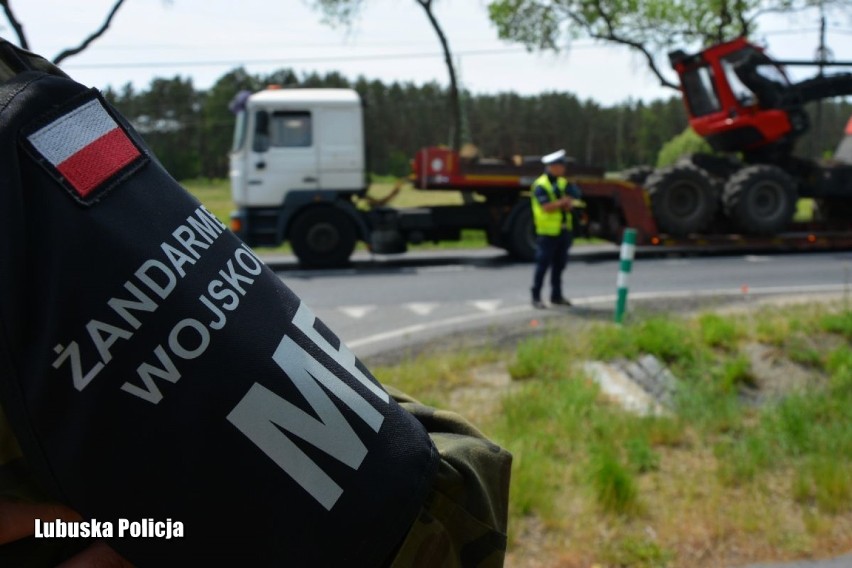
(323, 237)
(521, 239)
(760, 200)
(684, 199)
(637, 174)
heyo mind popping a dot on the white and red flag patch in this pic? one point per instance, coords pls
(86, 146)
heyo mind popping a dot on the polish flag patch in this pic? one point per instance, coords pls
(87, 148)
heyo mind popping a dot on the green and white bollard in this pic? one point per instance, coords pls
(628, 249)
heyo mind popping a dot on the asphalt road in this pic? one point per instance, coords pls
(382, 303)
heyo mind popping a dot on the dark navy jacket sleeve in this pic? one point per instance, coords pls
(541, 195)
(573, 190)
(153, 369)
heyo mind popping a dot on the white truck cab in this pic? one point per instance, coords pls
(299, 162)
(298, 150)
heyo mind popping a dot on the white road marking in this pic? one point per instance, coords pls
(421, 308)
(443, 268)
(755, 258)
(356, 312)
(486, 305)
(421, 327)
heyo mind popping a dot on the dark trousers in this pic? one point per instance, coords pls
(551, 253)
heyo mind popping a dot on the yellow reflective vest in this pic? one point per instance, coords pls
(549, 223)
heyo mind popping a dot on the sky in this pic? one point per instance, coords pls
(391, 41)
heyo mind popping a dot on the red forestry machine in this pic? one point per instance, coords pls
(751, 114)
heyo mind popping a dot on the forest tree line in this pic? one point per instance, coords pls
(191, 130)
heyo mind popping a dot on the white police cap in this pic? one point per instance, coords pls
(557, 157)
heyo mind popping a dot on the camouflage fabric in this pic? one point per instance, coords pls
(463, 522)
(13, 60)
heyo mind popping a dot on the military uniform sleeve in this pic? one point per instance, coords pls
(463, 521)
(161, 380)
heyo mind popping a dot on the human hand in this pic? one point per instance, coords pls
(17, 521)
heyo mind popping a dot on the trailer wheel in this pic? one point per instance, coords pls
(684, 199)
(323, 237)
(760, 199)
(521, 242)
(637, 174)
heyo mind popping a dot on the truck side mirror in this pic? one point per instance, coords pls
(261, 131)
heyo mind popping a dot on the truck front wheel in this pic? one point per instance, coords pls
(323, 237)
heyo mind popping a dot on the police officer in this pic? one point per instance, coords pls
(154, 374)
(552, 201)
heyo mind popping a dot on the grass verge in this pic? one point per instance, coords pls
(740, 470)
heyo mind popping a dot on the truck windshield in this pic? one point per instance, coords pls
(700, 92)
(239, 132)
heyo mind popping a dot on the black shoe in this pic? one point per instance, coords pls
(538, 304)
(561, 302)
